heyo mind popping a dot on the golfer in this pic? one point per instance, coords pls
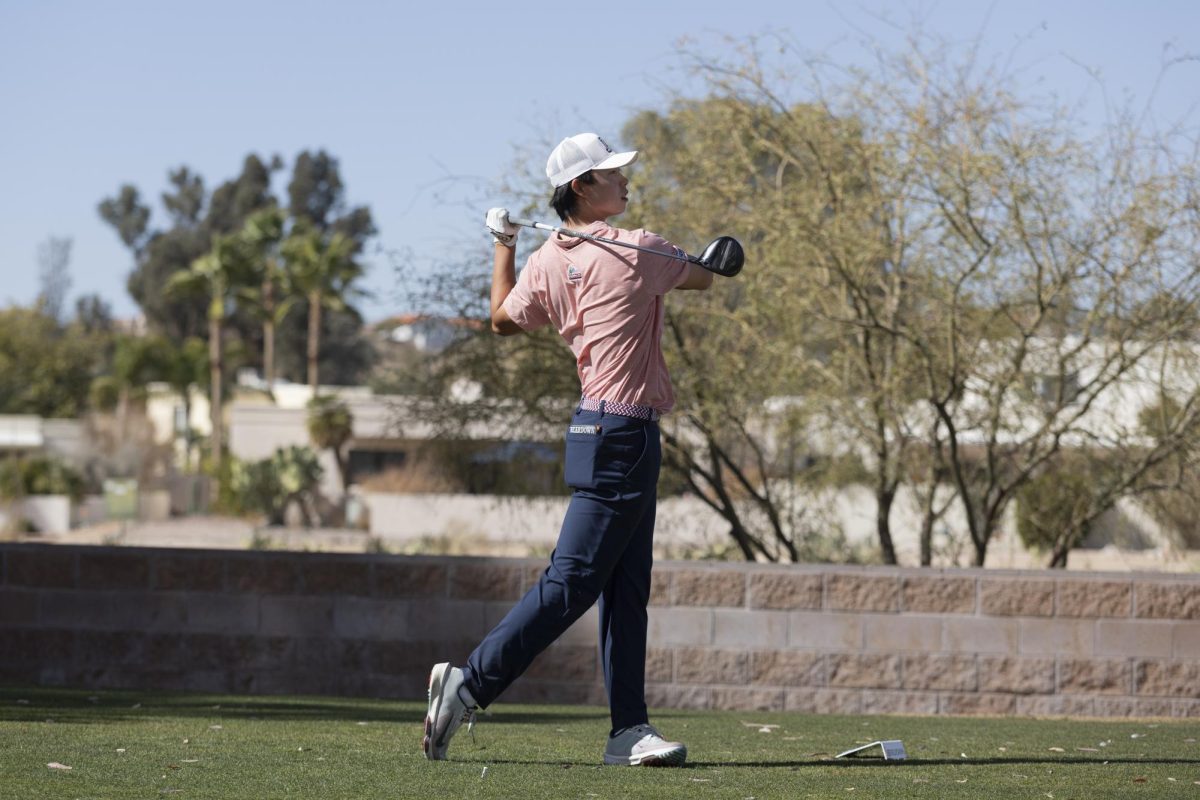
(607, 304)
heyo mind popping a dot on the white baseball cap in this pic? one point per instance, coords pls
(577, 154)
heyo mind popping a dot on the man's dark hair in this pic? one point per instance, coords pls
(564, 200)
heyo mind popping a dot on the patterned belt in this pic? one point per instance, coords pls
(623, 409)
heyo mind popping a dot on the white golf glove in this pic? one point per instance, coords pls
(503, 231)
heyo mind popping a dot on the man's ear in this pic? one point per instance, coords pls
(577, 186)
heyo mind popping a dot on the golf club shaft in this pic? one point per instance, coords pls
(541, 226)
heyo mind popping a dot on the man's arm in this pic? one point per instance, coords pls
(504, 278)
(504, 269)
(698, 278)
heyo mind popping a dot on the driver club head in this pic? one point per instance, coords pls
(724, 256)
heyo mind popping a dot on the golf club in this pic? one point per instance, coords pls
(724, 255)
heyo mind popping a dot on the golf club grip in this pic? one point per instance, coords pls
(528, 223)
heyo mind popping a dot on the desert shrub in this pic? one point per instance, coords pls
(1051, 506)
(39, 475)
(291, 475)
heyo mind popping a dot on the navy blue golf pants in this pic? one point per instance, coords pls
(604, 552)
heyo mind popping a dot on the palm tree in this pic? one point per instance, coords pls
(330, 426)
(269, 296)
(137, 360)
(184, 368)
(217, 276)
(323, 270)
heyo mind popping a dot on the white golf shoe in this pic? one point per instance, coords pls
(643, 746)
(450, 705)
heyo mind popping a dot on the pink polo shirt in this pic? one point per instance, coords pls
(607, 304)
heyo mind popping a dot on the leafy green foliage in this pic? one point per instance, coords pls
(1176, 503)
(128, 215)
(330, 426)
(316, 188)
(269, 486)
(323, 271)
(39, 475)
(1053, 504)
(166, 254)
(244, 209)
(46, 368)
(330, 423)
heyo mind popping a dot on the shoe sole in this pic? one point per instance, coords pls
(437, 683)
(670, 757)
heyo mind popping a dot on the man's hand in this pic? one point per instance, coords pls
(503, 231)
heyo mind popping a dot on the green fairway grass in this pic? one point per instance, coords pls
(153, 745)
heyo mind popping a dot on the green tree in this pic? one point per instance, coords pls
(128, 215)
(194, 218)
(317, 202)
(93, 315)
(323, 271)
(186, 202)
(137, 360)
(290, 476)
(215, 276)
(194, 215)
(979, 275)
(944, 278)
(268, 296)
(317, 199)
(233, 202)
(316, 191)
(186, 366)
(47, 368)
(1174, 485)
(330, 427)
(39, 475)
(1052, 503)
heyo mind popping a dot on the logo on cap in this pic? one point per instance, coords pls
(577, 154)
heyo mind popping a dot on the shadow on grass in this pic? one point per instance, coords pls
(503, 716)
(877, 763)
(109, 706)
(942, 762)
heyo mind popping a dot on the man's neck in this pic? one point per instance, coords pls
(581, 221)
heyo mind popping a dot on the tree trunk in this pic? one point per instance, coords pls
(187, 431)
(314, 338)
(269, 355)
(927, 518)
(884, 498)
(343, 471)
(268, 290)
(215, 355)
(1062, 546)
(927, 543)
(980, 552)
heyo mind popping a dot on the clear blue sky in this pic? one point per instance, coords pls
(425, 104)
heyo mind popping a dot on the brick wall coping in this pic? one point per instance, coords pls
(871, 570)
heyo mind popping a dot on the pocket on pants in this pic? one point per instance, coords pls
(597, 457)
(580, 462)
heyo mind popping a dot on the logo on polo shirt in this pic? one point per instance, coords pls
(574, 274)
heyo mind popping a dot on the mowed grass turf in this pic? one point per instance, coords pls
(150, 745)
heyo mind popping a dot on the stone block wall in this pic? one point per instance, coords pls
(738, 636)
